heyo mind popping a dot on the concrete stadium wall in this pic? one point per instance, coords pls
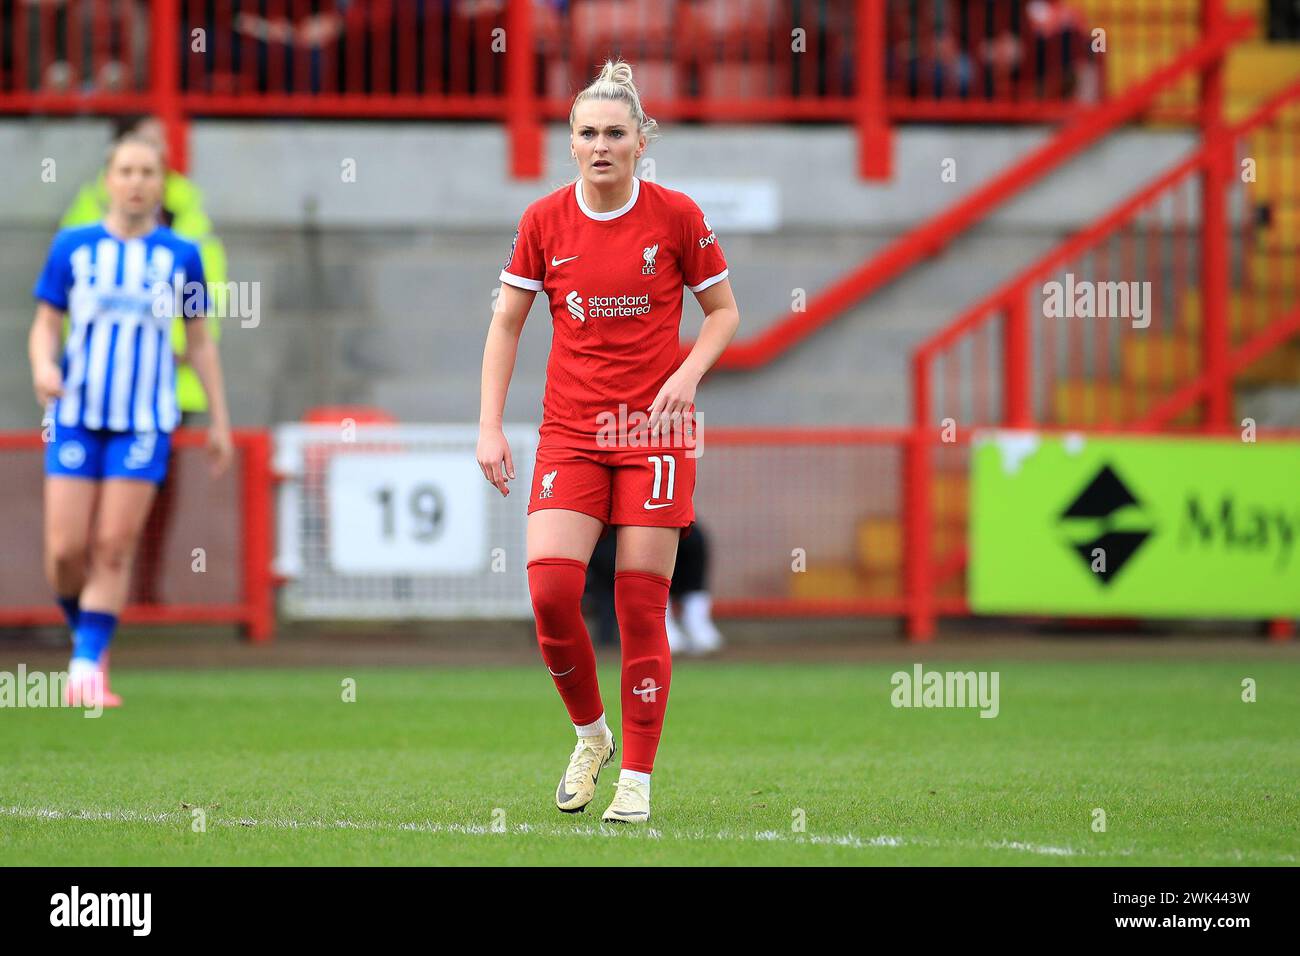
(380, 290)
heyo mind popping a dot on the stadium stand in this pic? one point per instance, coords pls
(906, 319)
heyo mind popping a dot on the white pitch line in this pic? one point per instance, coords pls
(849, 840)
(1032, 848)
(600, 830)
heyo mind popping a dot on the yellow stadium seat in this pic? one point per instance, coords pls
(1170, 357)
(950, 490)
(1246, 310)
(1159, 359)
(1278, 271)
(1085, 403)
(1258, 70)
(827, 582)
(880, 543)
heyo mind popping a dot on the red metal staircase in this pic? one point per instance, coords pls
(1216, 247)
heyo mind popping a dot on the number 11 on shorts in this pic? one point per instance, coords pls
(659, 474)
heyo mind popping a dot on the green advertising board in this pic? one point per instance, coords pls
(1158, 526)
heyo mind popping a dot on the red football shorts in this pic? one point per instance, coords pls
(649, 486)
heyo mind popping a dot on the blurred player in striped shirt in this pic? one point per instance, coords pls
(110, 398)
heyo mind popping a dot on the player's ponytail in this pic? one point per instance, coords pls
(615, 83)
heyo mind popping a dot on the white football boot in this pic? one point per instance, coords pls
(631, 803)
(578, 785)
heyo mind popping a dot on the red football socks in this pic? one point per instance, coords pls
(640, 601)
(556, 586)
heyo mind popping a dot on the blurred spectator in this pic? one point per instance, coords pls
(1060, 51)
(925, 49)
(323, 29)
(600, 588)
(95, 45)
(1284, 20)
(989, 50)
(369, 46)
(831, 38)
(999, 40)
(1036, 49)
(8, 44)
(696, 633)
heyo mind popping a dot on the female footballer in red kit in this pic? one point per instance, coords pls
(611, 252)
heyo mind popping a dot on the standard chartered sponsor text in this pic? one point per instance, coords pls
(610, 306)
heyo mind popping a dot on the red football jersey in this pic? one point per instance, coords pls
(614, 280)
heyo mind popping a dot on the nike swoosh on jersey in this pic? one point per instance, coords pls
(649, 507)
(560, 262)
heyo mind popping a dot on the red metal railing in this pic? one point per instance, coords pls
(930, 237)
(1187, 247)
(64, 57)
(230, 518)
(831, 538)
(832, 541)
(972, 60)
(521, 61)
(1012, 358)
(1277, 334)
(369, 69)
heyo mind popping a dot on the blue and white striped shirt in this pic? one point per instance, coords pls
(121, 298)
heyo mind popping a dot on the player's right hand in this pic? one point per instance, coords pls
(47, 381)
(494, 458)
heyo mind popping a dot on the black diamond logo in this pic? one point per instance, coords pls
(1096, 506)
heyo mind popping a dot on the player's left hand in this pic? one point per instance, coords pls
(221, 449)
(672, 403)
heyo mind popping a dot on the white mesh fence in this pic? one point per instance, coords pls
(397, 522)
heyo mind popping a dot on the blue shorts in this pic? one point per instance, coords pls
(96, 454)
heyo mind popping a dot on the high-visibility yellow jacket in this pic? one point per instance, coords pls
(184, 202)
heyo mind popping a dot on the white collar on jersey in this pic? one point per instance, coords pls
(612, 214)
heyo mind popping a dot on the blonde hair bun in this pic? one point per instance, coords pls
(615, 83)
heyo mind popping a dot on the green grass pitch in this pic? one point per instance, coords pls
(459, 766)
